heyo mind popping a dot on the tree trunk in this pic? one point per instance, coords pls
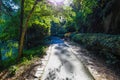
(21, 16)
(21, 45)
(21, 21)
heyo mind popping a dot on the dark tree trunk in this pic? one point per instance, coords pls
(21, 22)
(21, 45)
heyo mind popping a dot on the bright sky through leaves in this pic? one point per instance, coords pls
(58, 1)
(61, 2)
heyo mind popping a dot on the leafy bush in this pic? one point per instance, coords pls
(13, 70)
(61, 31)
(40, 50)
(72, 34)
(70, 27)
(8, 62)
(36, 33)
(103, 42)
(9, 28)
(8, 52)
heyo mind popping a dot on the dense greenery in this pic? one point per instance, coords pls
(98, 17)
(101, 42)
(36, 33)
(11, 29)
(25, 25)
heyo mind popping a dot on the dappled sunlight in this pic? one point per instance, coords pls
(29, 27)
(65, 65)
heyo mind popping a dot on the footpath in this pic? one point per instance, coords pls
(62, 64)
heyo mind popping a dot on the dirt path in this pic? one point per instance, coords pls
(63, 65)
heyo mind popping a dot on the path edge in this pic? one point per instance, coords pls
(86, 67)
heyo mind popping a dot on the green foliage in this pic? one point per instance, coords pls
(27, 56)
(70, 27)
(87, 7)
(83, 9)
(10, 28)
(8, 62)
(9, 20)
(61, 32)
(103, 42)
(8, 53)
(2, 21)
(42, 13)
(40, 50)
(25, 61)
(104, 45)
(58, 29)
(39, 22)
(13, 70)
(69, 14)
(36, 34)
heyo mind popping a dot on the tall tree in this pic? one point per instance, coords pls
(24, 27)
(21, 22)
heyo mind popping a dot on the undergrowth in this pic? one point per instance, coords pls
(28, 55)
(102, 44)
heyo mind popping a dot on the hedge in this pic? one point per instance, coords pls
(101, 42)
